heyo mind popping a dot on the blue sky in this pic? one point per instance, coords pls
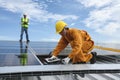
(101, 18)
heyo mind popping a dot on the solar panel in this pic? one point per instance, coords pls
(25, 61)
(16, 54)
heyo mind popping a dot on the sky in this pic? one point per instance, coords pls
(100, 18)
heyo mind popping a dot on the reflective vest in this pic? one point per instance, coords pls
(24, 22)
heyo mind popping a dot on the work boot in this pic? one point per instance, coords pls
(28, 40)
(93, 59)
(20, 40)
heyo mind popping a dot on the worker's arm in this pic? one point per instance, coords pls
(86, 36)
(61, 45)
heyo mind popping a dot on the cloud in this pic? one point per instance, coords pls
(95, 3)
(110, 29)
(72, 24)
(36, 10)
(104, 16)
(50, 0)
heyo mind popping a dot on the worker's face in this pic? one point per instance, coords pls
(24, 16)
(63, 32)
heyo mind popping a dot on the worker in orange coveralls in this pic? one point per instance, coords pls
(80, 42)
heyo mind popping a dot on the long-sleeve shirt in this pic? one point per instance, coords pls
(75, 38)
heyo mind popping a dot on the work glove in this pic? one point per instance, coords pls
(66, 60)
(52, 58)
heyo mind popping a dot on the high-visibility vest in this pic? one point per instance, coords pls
(24, 22)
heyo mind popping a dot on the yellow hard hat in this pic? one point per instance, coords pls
(60, 26)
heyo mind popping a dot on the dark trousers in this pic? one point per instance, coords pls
(26, 32)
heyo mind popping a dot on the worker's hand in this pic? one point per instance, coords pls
(66, 60)
(52, 58)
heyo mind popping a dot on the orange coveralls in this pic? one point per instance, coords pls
(80, 42)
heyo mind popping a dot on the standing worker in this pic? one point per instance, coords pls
(24, 27)
(80, 42)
